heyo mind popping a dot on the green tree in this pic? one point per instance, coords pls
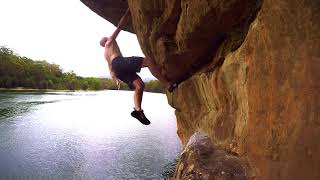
(154, 86)
(17, 71)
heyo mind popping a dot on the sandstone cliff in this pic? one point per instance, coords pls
(249, 71)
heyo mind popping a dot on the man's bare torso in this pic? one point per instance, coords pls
(112, 51)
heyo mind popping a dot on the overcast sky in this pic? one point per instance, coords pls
(64, 32)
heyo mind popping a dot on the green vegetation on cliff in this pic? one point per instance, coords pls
(17, 71)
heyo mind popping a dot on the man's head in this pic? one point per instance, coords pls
(103, 41)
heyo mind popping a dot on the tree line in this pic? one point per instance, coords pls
(17, 71)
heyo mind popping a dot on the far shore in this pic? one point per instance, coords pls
(44, 90)
(22, 89)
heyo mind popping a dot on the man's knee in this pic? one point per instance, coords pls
(139, 84)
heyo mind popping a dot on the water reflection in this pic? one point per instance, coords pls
(14, 104)
(85, 136)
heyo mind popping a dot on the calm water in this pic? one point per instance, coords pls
(85, 135)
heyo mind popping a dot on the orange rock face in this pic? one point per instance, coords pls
(282, 51)
(183, 36)
(250, 74)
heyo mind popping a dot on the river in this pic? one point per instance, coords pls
(85, 135)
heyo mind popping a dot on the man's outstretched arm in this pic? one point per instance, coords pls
(119, 27)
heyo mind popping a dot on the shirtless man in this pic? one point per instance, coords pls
(125, 69)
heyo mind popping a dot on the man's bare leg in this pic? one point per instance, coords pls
(155, 71)
(138, 92)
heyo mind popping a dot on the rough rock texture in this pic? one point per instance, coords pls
(203, 160)
(250, 72)
(262, 103)
(183, 35)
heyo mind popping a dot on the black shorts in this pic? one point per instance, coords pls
(126, 69)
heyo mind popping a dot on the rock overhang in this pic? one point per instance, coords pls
(183, 36)
(110, 10)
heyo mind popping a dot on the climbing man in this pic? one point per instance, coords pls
(126, 68)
